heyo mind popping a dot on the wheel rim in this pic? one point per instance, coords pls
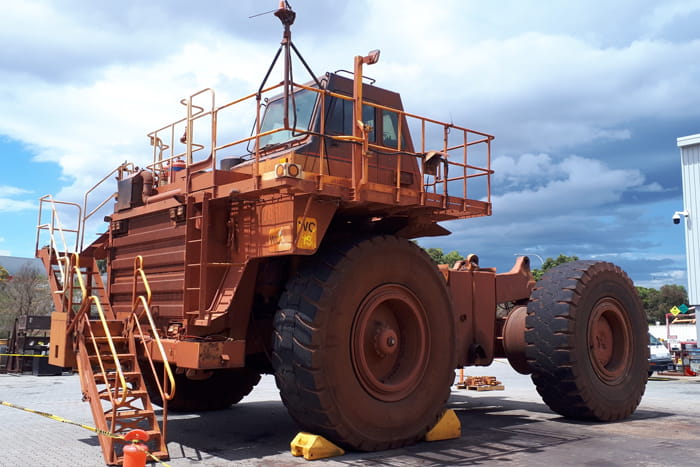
(390, 342)
(609, 341)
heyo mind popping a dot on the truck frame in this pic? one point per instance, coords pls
(289, 252)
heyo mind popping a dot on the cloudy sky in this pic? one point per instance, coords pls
(586, 102)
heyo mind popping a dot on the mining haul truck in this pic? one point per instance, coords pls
(289, 252)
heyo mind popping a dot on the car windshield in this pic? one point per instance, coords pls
(653, 340)
(303, 102)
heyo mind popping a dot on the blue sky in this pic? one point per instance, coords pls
(586, 101)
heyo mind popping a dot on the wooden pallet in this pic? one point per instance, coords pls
(479, 383)
(487, 387)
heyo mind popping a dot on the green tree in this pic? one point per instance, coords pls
(549, 263)
(649, 297)
(440, 257)
(4, 275)
(659, 302)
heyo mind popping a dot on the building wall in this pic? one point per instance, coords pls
(683, 332)
(690, 170)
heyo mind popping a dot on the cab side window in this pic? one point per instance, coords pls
(339, 121)
(390, 130)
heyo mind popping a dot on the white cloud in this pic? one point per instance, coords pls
(536, 91)
(12, 205)
(6, 190)
(8, 204)
(81, 89)
(573, 185)
(664, 15)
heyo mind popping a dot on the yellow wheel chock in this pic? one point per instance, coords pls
(448, 427)
(314, 447)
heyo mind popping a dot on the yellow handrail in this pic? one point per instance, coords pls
(166, 364)
(85, 305)
(145, 303)
(138, 271)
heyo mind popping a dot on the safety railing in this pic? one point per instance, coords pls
(445, 152)
(49, 221)
(124, 168)
(167, 388)
(57, 233)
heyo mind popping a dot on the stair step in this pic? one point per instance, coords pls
(130, 393)
(100, 339)
(128, 375)
(120, 356)
(130, 414)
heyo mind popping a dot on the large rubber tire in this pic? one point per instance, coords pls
(586, 335)
(363, 346)
(220, 391)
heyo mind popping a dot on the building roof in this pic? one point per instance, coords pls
(688, 140)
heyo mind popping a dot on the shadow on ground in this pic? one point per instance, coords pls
(493, 429)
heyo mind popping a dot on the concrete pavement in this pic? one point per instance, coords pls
(511, 427)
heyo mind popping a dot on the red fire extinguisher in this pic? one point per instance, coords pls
(135, 453)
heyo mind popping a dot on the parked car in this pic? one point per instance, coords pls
(659, 356)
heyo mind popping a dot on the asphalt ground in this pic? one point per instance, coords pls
(510, 428)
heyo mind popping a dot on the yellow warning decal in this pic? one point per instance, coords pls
(306, 233)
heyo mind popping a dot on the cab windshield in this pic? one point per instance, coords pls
(302, 105)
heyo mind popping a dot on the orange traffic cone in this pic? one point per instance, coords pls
(135, 453)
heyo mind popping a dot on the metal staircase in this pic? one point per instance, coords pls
(112, 383)
(106, 346)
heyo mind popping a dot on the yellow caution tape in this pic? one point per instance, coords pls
(21, 355)
(87, 427)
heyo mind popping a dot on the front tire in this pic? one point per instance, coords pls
(364, 344)
(586, 336)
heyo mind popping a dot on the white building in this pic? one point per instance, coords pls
(690, 167)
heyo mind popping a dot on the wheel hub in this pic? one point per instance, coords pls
(385, 341)
(390, 342)
(609, 340)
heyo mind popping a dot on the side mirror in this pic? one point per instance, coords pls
(372, 57)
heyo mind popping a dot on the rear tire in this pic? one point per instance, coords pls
(364, 344)
(220, 391)
(586, 336)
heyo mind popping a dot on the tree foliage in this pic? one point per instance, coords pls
(440, 257)
(659, 302)
(549, 263)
